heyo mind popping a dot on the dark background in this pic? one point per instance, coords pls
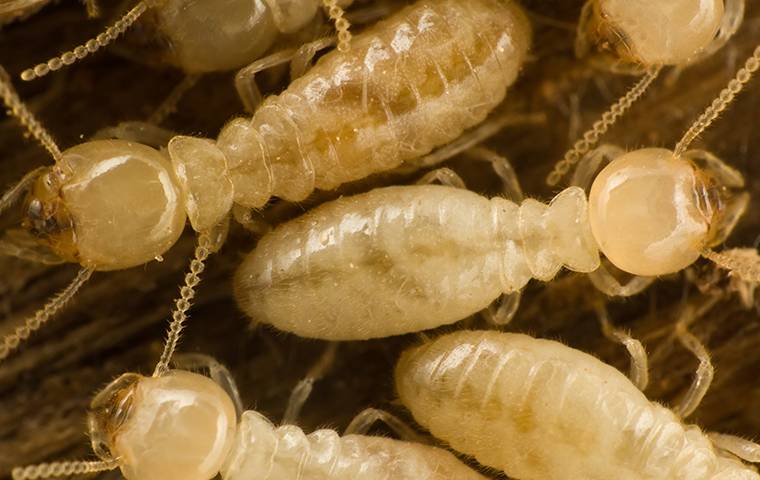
(117, 322)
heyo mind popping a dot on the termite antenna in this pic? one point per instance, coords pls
(61, 469)
(721, 102)
(91, 46)
(336, 14)
(18, 109)
(182, 304)
(591, 137)
(742, 262)
(32, 324)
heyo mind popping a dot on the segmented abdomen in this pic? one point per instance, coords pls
(404, 259)
(408, 84)
(265, 452)
(539, 410)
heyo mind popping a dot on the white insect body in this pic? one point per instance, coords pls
(183, 426)
(539, 410)
(410, 83)
(404, 259)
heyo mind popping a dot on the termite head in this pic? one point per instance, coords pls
(202, 36)
(628, 35)
(106, 204)
(177, 426)
(653, 213)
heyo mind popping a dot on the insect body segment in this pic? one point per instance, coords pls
(404, 259)
(408, 84)
(182, 425)
(537, 409)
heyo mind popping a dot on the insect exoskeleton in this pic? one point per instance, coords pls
(642, 36)
(408, 84)
(403, 259)
(643, 33)
(218, 35)
(539, 410)
(184, 426)
(204, 36)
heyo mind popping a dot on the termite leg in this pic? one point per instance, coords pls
(304, 57)
(137, 131)
(210, 367)
(444, 176)
(747, 450)
(245, 80)
(361, 424)
(639, 372)
(703, 376)
(606, 282)
(303, 389)
(244, 216)
(503, 168)
(503, 309)
(592, 162)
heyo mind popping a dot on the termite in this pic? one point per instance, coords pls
(540, 410)
(403, 259)
(13, 10)
(643, 36)
(213, 35)
(181, 425)
(410, 83)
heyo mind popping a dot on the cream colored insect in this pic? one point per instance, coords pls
(642, 36)
(539, 410)
(409, 84)
(181, 425)
(211, 35)
(403, 259)
(14, 10)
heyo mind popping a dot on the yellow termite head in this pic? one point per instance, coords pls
(653, 213)
(630, 34)
(203, 36)
(180, 425)
(106, 204)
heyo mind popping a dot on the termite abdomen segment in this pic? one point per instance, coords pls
(630, 34)
(648, 212)
(108, 205)
(179, 426)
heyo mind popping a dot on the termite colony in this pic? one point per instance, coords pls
(367, 210)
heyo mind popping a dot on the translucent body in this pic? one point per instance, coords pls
(655, 32)
(120, 199)
(412, 82)
(182, 426)
(212, 35)
(404, 259)
(539, 410)
(263, 451)
(645, 212)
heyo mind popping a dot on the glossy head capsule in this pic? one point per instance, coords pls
(107, 205)
(648, 212)
(179, 426)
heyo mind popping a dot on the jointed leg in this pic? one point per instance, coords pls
(592, 162)
(747, 450)
(445, 176)
(302, 391)
(703, 376)
(361, 424)
(169, 105)
(606, 283)
(137, 131)
(209, 366)
(639, 373)
(304, 56)
(503, 309)
(503, 169)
